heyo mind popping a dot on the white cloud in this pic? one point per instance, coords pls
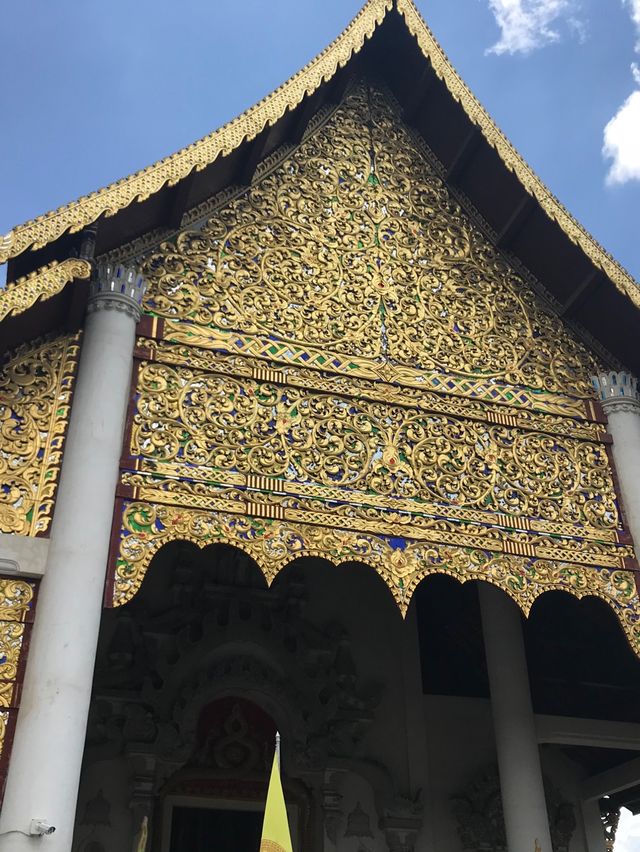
(628, 833)
(526, 25)
(622, 132)
(634, 11)
(622, 142)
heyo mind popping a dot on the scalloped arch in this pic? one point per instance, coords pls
(402, 563)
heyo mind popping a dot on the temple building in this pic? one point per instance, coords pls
(326, 424)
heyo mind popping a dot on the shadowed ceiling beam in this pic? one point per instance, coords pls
(515, 223)
(463, 155)
(258, 149)
(418, 98)
(180, 203)
(582, 292)
(340, 83)
(304, 114)
(612, 780)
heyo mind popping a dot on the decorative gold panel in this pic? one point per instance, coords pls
(35, 397)
(402, 564)
(317, 358)
(204, 420)
(16, 601)
(340, 364)
(354, 243)
(42, 284)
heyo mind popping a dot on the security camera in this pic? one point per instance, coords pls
(40, 827)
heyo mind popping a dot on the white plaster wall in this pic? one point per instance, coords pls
(356, 791)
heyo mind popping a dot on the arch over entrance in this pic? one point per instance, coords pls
(204, 636)
(402, 562)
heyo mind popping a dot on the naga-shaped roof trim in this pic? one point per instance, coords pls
(139, 186)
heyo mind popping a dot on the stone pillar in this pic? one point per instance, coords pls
(618, 394)
(521, 785)
(45, 763)
(593, 826)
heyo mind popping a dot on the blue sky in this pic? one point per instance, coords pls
(93, 91)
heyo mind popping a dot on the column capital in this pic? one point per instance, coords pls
(117, 287)
(617, 391)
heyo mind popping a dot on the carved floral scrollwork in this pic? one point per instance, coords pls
(251, 427)
(16, 599)
(35, 396)
(401, 563)
(346, 359)
(354, 242)
(22, 294)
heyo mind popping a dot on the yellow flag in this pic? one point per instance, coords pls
(144, 830)
(275, 828)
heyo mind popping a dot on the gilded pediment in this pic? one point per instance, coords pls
(355, 244)
(337, 361)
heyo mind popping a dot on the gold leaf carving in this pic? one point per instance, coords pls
(139, 186)
(347, 368)
(402, 563)
(46, 282)
(354, 243)
(16, 598)
(473, 401)
(250, 427)
(511, 158)
(35, 396)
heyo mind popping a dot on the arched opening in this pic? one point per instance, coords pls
(197, 670)
(585, 690)
(217, 796)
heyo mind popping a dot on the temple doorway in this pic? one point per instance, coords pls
(198, 829)
(195, 675)
(216, 799)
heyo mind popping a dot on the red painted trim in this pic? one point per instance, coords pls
(152, 327)
(595, 411)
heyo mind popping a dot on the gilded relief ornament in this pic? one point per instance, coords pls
(143, 184)
(401, 562)
(16, 600)
(198, 419)
(40, 285)
(35, 399)
(341, 365)
(355, 243)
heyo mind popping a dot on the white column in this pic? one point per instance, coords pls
(45, 762)
(593, 826)
(521, 785)
(618, 393)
